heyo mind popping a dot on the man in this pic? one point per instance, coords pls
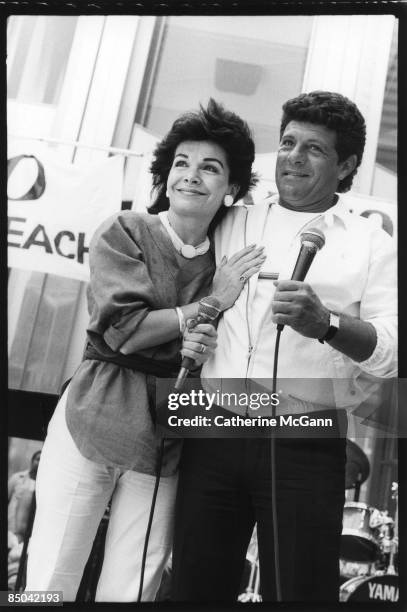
(21, 487)
(348, 302)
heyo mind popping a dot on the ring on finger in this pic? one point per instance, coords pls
(202, 348)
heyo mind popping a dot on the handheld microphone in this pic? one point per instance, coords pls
(208, 311)
(312, 241)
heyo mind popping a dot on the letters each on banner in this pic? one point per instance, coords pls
(54, 208)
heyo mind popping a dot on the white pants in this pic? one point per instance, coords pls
(72, 494)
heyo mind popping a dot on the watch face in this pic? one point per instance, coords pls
(334, 320)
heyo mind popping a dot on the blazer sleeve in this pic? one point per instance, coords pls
(121, 292)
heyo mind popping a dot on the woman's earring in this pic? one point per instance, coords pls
(167, 194)
(228, 200)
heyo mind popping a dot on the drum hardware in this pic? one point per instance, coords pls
(367, 533)
(394, 540)
(357, 468)
(252, 591)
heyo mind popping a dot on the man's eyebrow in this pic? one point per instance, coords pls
(322, 145)
(315, 139)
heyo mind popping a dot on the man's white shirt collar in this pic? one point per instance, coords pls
(339, 212)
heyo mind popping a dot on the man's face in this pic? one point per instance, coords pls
(308, 170)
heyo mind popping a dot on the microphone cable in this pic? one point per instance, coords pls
(150, 518)
(273, 474)
(312, 240)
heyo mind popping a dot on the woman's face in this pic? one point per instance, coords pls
(199, 179)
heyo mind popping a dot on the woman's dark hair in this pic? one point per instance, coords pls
(214, 124)
(337, 113)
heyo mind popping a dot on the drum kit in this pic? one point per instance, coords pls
(369, 544)
(369, 541)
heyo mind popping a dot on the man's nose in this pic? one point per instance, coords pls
(296, 155)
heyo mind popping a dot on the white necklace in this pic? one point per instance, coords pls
(187, 250)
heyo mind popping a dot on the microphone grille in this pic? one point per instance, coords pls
(209, 307)
(315, 236)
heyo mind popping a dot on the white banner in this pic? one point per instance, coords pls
(54, 208)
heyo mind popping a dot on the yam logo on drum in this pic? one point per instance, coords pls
(384, 592)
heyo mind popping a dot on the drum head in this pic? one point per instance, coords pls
(378, 589)
(359, 540)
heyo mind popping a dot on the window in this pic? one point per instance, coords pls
(38, 52)
(387, 146)
(385, 175)
(250, 65)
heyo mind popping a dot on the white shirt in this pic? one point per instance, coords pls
(354, 273)
(281, 229)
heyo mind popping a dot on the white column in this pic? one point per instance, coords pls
(77, 82)
(108, 81)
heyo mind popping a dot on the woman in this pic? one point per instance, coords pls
(148, 274)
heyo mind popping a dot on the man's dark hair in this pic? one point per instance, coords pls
(214, 124)
(337, 113)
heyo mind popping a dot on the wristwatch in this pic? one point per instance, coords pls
(332, 329)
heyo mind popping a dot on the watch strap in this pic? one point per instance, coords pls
(332, 329)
